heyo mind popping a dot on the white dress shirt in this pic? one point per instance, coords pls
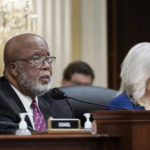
(26, 101)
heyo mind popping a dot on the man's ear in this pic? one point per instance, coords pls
(13, 69)
(62, 82)
(65, 82)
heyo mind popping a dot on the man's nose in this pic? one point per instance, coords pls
(46, 65)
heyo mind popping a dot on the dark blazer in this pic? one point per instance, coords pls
(11, 106)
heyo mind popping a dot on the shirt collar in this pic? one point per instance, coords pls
(26, 100)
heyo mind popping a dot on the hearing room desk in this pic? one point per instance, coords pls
(59, 142)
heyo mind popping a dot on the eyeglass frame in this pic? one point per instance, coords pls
(40, 59)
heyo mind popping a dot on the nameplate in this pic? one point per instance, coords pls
(64, 124)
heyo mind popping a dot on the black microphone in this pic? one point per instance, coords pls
(59, 95)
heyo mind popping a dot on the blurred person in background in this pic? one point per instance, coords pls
(78, 73)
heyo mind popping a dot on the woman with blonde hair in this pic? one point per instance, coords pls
(134, 93)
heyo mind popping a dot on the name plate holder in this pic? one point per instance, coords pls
(63, 124)
(64, 127)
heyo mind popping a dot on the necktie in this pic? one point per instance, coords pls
(38, 118)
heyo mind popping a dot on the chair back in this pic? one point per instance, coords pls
(92, 94)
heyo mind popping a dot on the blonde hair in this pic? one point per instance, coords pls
(135, 71)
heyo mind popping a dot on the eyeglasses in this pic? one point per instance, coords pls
(38, 62)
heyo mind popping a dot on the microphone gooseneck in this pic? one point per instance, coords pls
(59, 95)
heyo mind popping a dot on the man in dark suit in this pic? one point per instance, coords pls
(27, 78)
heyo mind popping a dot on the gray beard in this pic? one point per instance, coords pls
(32, 86)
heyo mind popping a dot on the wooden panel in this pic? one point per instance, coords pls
(63, 141)
(128, 24)
(133, 127)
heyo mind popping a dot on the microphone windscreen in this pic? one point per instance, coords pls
(57, 94)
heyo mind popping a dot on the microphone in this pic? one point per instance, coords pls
(59, 95)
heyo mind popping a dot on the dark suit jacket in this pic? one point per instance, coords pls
(11, 106)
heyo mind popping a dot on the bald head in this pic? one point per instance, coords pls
(19, 46)
(26, 64)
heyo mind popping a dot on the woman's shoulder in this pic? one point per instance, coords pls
(122, 101)
(122, 97)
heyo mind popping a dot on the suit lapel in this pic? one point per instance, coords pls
(15, 101)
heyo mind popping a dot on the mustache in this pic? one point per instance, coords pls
(44, 74)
